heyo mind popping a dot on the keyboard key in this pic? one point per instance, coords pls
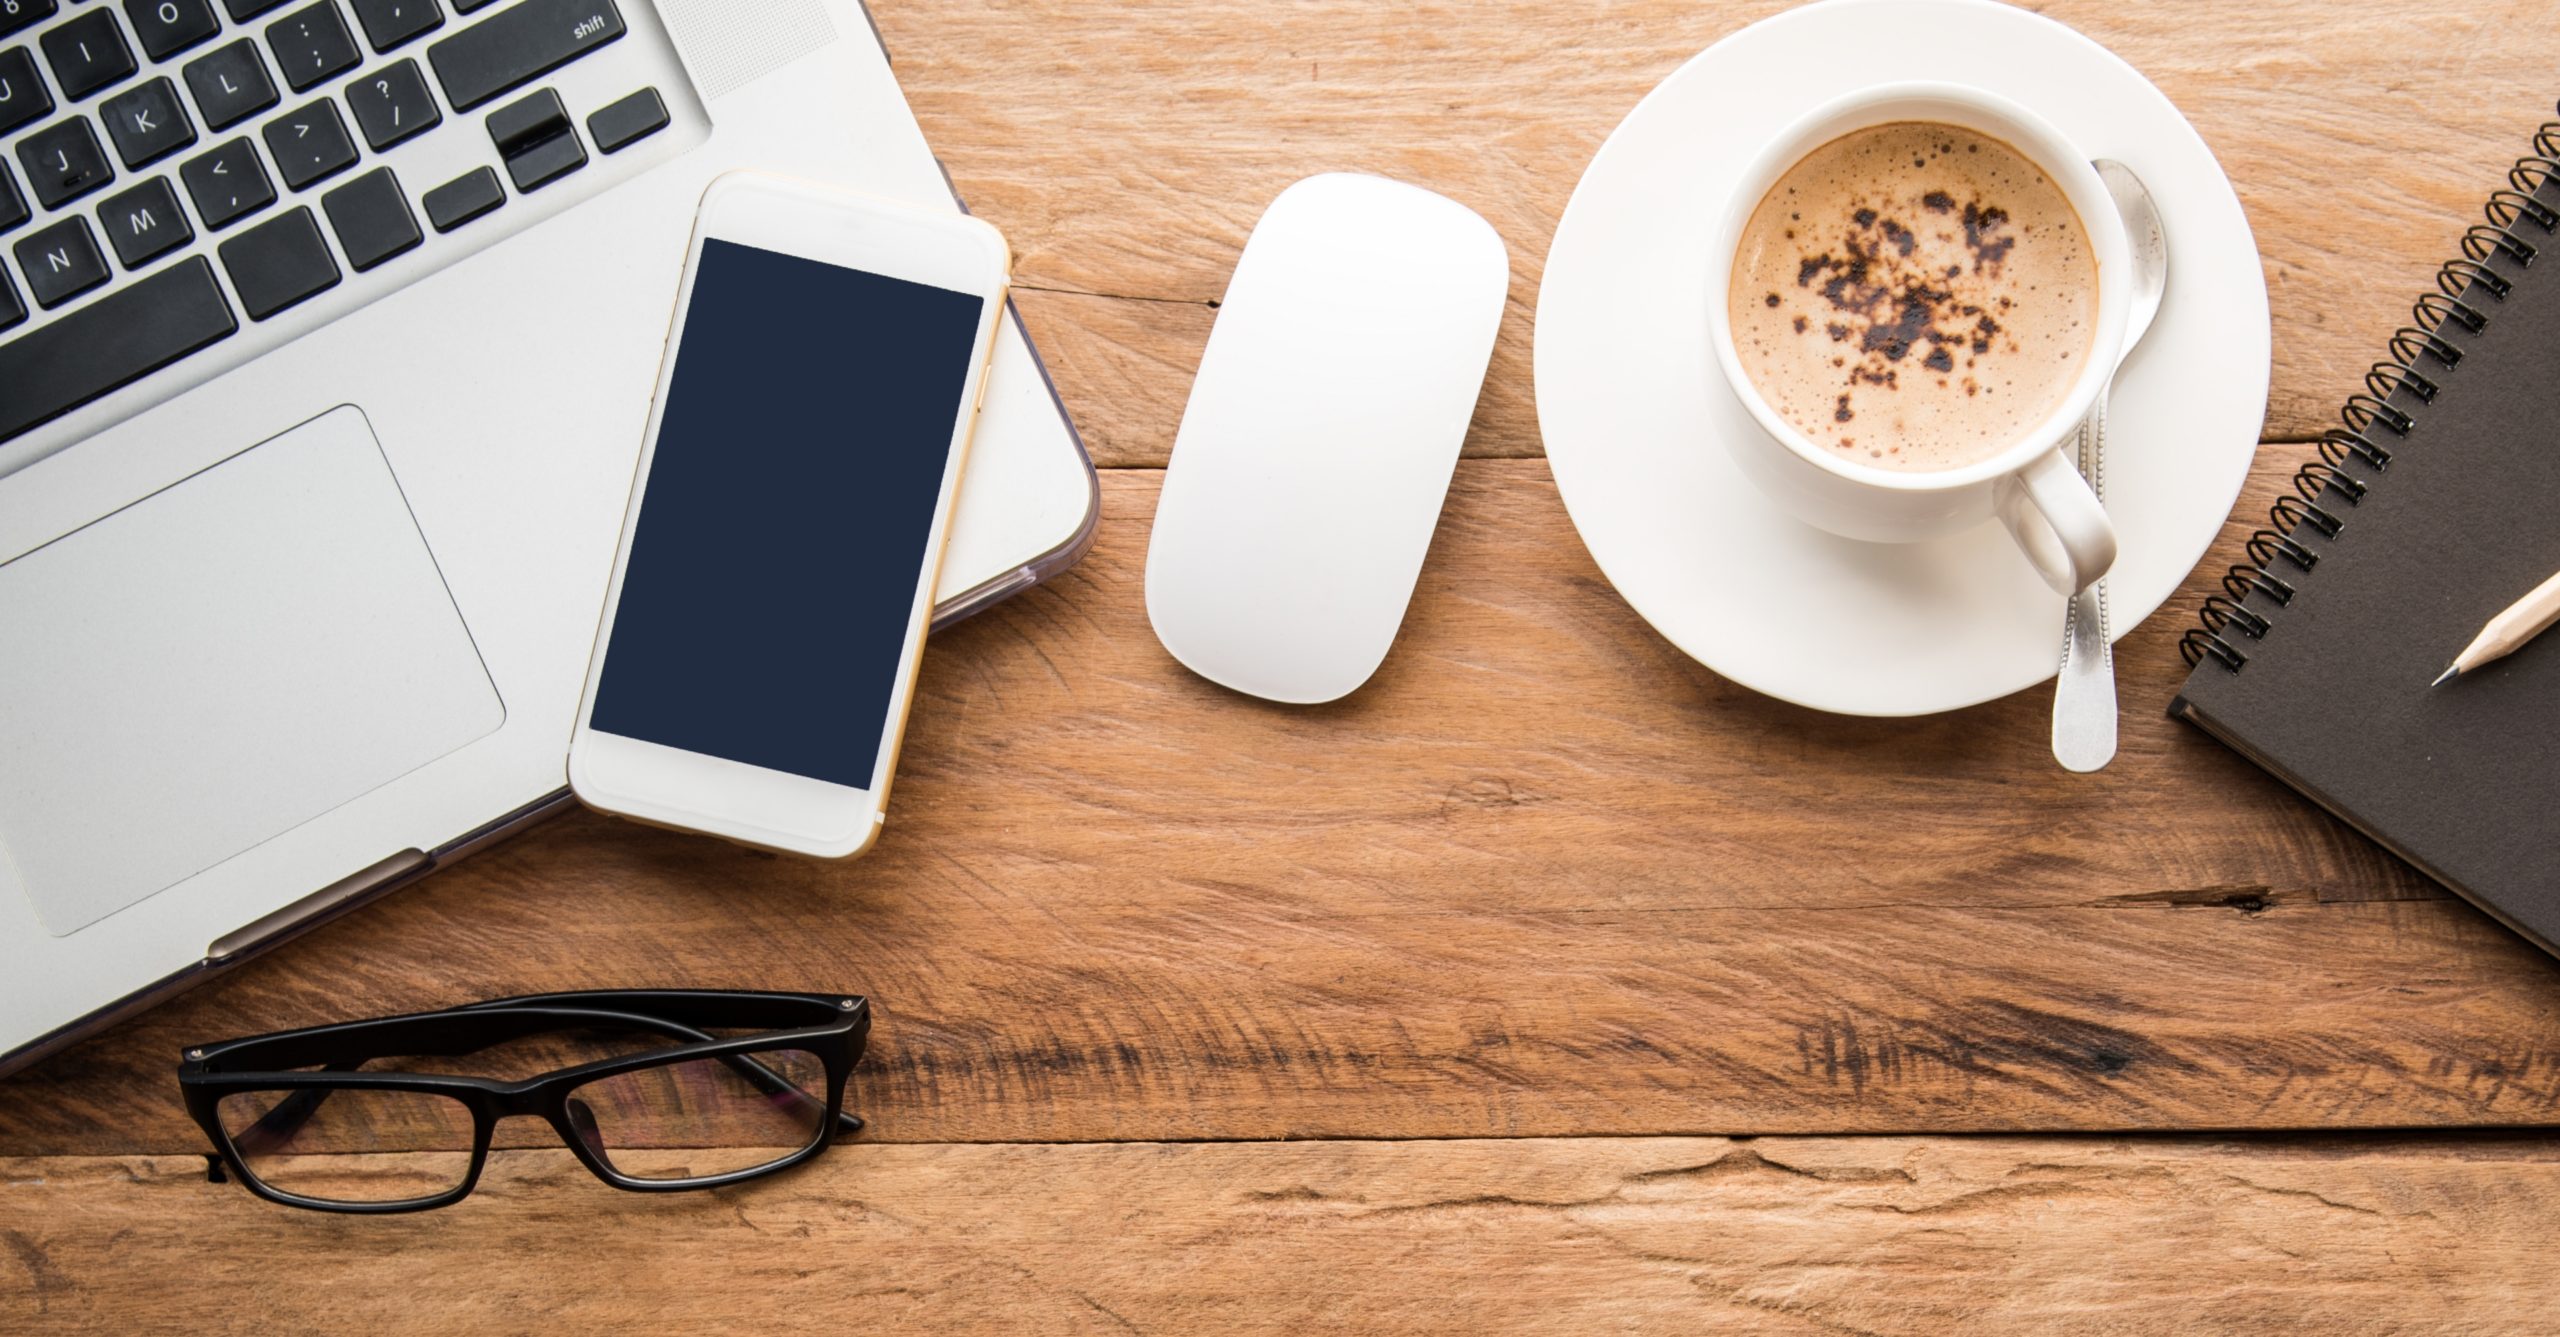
(88, 53)
(62, 261)
(311, 45)
(372, 219)
(110, 343)
(464, 198)
(23, 96)
(231, 84)
(13, 206)
(520, 44)
(146, 122)
(228, 183)
(627, 122)
(19, 15)
(279, 263)
(310, 144)
(471, 6)
(244, 10)
(64, 162)
(144, 223)
(388, 23)
(167, 27)
(535, 138)
(392, 103)
(13, 309)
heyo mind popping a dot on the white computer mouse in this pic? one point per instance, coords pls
(1323, 429)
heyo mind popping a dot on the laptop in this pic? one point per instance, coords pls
(327, 333)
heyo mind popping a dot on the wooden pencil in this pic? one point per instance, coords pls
(2508, 631)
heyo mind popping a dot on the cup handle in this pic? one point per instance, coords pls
(2059, 523)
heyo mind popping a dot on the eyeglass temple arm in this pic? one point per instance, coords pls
(277, 1126)
(602, 1003)
(770, 1082)
(706, 1008)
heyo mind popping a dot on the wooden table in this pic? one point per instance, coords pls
(1551, 982)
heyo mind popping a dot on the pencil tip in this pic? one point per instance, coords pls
(2447, 676)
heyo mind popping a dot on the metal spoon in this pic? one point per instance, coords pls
(2084, 692)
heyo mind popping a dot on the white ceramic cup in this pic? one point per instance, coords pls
(2033, 485)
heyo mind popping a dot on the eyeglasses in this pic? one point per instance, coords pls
(332, 1118)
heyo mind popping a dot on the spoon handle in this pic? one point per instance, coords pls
(2084, 693)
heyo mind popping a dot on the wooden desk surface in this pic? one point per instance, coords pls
(1549, 983)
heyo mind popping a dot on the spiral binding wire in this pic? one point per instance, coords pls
(2506, 206)
(2520, 225)
(2483, 238)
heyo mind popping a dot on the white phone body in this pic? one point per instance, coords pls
(829, 375)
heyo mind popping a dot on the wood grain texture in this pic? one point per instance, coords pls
(1127, 150)
(1544, 875)
(1793, 1236)
(1134, 939)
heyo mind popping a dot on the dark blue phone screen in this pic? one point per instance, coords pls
(782, 531)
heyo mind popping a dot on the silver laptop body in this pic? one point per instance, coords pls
(303, 614)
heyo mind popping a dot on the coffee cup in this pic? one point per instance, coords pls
(2021, 472)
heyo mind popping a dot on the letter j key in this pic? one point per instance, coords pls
(64, 161)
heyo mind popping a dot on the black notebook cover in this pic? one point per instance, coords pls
(2443, 491)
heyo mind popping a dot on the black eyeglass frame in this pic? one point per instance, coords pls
(833, 1027)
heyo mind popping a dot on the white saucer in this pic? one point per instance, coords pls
(1634, 411)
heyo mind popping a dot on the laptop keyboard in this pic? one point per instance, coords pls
(184, 170)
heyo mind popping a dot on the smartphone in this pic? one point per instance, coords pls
(767, 611)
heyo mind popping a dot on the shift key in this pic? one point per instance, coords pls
(520, 44)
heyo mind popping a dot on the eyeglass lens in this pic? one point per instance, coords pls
(704, 1116)
(350, 1145)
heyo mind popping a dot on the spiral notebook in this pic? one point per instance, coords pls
(2434, 507)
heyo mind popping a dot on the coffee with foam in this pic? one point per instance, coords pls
(1914, 296)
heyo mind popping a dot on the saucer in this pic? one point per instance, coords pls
(1635, 413)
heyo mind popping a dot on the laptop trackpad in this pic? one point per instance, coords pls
(219, 663)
